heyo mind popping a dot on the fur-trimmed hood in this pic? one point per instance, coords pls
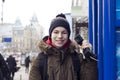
(48, 49)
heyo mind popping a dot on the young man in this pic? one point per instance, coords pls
(58, 51)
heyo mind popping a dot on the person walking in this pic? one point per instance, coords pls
(11, 62)
(4, 71)
(59, 59)
(27, 63)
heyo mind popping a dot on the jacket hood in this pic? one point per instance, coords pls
(48, 49)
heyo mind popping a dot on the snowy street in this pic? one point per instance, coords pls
(21, 75)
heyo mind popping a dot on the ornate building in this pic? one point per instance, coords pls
(15, 38)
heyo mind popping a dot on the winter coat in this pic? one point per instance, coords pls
(4, 71)
(27, 61)
(60, 65)
(11, 63)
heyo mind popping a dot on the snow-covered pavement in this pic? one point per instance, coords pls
(21, 75)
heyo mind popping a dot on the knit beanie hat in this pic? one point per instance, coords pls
(60, 20)
(61, 15)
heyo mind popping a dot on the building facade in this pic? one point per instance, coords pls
(16, 38)
(79, 12)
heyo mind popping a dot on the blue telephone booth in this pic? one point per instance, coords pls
(104, 34)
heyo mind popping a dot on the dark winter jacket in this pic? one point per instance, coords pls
(11, 63)
(27, 61)
(4, 71)
(60, 65)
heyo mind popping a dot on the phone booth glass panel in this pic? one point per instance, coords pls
(118, 37)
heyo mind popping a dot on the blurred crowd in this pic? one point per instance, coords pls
(11, 64)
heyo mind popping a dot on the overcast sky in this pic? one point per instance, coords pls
(45, 10)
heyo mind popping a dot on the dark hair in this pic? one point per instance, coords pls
(45, 38)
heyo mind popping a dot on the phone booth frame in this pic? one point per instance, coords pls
(102, 35)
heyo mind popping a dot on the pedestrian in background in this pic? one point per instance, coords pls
(27, 63)
(12, 65)
(59, 60)
(4, 71)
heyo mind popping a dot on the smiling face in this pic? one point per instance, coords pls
(59, 37)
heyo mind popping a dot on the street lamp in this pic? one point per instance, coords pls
(2, 11)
